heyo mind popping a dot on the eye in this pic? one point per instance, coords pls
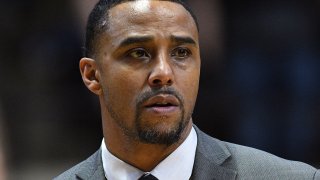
(181, 53)
(138, 54)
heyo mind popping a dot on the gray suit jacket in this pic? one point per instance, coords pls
(218, 160)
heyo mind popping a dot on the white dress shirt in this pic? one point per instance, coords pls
(178, 165)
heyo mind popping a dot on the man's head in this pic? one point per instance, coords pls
(145, 70)
(98, 22)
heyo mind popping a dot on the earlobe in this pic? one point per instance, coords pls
(90, 75)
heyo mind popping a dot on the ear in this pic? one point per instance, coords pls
(90, 75)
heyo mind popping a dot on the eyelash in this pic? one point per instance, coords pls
(187, 53)
(141, 50)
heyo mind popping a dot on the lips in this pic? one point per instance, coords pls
(162, 104)
(163, 100)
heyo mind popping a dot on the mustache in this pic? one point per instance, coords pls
(154, 92)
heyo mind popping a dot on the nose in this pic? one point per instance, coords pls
(161, 74)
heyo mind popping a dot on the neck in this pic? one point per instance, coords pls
(140, 155)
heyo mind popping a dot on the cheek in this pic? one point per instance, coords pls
(188, 83)
(124, 86)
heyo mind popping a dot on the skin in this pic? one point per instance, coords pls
(145, 50)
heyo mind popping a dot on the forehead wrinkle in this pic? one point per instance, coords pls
(135, 40)
(139, 10)
(124, 20)
(183, 39)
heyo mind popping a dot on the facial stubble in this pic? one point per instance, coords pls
(150, 134)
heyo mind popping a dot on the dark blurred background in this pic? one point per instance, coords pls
(260, 81)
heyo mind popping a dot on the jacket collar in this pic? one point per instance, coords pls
(210, 156)
(93, 170)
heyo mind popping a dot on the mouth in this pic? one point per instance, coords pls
(162, 103)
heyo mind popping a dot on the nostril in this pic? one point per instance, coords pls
(169, 81)
(156, 81)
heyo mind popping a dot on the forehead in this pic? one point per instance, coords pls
(150, 16)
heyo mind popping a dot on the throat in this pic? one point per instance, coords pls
(146, 156)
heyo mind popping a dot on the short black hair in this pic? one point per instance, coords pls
(98, 22)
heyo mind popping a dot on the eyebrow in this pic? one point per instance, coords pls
(135, 40)
(145, 39)
(183, 40)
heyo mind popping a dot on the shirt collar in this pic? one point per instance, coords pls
(180, 160)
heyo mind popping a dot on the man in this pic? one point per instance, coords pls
(143, 62)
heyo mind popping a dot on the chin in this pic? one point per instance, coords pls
(166, 131)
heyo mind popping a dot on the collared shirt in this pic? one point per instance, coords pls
(178, 165)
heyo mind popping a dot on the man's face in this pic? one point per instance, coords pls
(149, 63)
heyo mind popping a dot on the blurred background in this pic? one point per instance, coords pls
(260, 81)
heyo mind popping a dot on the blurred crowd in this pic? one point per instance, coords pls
(260, 79)
(2, 150)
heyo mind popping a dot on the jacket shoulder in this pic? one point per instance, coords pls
(248, 163)
(251, 162)
(87, 167)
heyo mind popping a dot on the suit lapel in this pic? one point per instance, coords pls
(99, 174)
(93, 169)
(210, 155)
